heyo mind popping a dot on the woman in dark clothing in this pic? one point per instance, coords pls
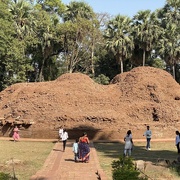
(177, 141)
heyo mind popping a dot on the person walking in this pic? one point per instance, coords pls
(177, 141)
(148, 135)
(64, 138)
(128, 143)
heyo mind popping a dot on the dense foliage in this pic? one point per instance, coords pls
(42, 39)
(5, 176)
(124, 169)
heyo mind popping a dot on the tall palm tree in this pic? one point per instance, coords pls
(119, 39)
(169, 45)
(146, 31)
(21, 11)
(79, 22)
(78, 9)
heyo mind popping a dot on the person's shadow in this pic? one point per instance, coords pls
(69, 160)
(57, 150)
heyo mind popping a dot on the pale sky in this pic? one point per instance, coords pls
(123, 7)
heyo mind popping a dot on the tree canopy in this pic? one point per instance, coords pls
(42, 39)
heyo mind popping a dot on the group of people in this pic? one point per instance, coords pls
(129, 141)
(80, 147)
(148, 134)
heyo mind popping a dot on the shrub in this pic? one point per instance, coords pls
(124, 169)
(176, 168)
(102, 79)
(5, 176)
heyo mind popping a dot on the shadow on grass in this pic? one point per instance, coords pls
(160, 151)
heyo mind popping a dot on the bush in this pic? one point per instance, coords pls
(102, 79)
(4, 176)
(176, 169)
(124, 169)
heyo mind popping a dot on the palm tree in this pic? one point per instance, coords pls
(146, 31)
(169, 45)
(79, 23)
(21, 11)
(119, 39)
(78, 9)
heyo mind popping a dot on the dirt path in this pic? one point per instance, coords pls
(60, 165)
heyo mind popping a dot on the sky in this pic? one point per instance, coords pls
(123, 7)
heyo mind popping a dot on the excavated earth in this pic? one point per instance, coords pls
(134, 99)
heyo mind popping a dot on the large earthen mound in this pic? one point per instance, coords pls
(140, 97)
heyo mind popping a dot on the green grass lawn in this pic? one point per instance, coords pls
(30, 156)
(107, 152)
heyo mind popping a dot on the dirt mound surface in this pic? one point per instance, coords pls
(142, 96)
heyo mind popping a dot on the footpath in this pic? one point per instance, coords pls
(61, 166)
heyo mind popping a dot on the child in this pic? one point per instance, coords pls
(75, 150)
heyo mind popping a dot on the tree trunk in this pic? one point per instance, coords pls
(121, 66)
(174, 74)
(144, 57)
(70, 66)
(92, 60)
(41, 71)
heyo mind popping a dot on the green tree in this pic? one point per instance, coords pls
(124, 168)
(78, 9)
(119, 39)
(11, 67)
(46, 40)
(169, 45)
(146, 32)
(21, 12)
(78, 33)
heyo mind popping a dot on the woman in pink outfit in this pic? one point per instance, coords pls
(16, 134)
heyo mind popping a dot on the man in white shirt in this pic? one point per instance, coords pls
(64, 138)
(60, 132)
(148, 135)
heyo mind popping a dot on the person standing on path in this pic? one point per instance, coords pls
(177, 141)
(76, 150)
(148, 135)
(84, 149)
(128, 143)
(64, 138)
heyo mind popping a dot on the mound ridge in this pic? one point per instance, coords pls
(142, 96)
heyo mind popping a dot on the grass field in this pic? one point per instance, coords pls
(28, 157)
(107, 152)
